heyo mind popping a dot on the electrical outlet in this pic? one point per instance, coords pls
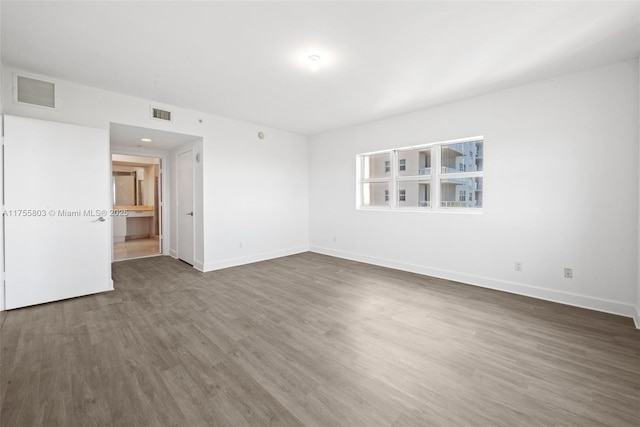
(240, 245)
(335, 239)
(518, 266)
(568, 273)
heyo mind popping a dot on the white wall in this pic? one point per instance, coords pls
(257, 188)
(255, 191)
(637, 313)
(1, 163)
(561, 161)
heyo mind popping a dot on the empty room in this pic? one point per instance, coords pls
(330, 213)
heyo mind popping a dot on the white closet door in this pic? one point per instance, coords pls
(56, 190)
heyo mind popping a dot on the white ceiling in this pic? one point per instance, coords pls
(122, 135)
(243, 59)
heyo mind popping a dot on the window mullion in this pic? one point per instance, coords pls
(393, 185)
(360, 183)
(435, 176)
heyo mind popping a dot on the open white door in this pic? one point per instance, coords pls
(56, 189)
(185, 206)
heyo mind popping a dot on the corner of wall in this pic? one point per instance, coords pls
(308, 192)
(258, 257)
(637, 313)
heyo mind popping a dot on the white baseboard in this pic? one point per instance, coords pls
(173, 253)
(583, 301)
(264, 256)
(198, 265)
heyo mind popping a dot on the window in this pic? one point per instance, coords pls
(440, 176)
(467, 179)
(450, 187)
(375, 181)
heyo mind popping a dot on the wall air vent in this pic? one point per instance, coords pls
(159, 114)
(35, 92)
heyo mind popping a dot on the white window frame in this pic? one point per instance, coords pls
(434, 179)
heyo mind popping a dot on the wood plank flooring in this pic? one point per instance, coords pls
(316, 341)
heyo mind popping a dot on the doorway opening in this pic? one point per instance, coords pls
(137, 147)
(137, 197)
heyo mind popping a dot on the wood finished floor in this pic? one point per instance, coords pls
(317, 341)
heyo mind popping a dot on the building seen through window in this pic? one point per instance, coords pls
(409, 174)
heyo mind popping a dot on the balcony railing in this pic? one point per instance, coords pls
(424, 171)
(447, 169)
(424, 203)
(456, 204)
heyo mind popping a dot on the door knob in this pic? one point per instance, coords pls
(189, 213)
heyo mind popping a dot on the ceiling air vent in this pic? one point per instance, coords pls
(35, 92)
(159, 114)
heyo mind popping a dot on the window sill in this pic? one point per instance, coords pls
(469, 211)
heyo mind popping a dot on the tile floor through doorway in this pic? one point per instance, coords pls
(136, 248)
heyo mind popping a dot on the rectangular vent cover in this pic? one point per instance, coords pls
(159, 114)
(36, 92)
